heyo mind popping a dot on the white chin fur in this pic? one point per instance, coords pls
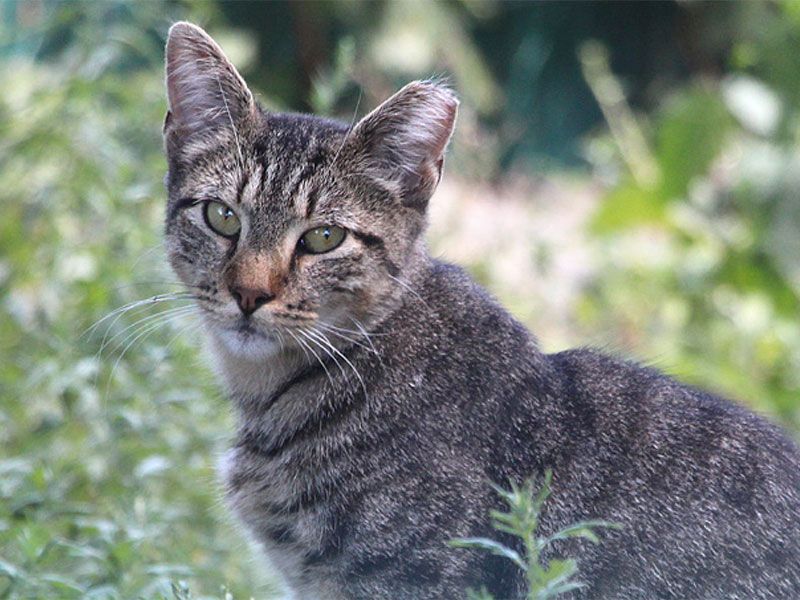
(248, 345)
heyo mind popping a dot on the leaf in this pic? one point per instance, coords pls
(558, 570)
(563, 588)
(62, 584)
(556, 576)
(544, 490)
(627, 206)
(583, 529)
(508, 495)
(481, 594)
(9, 570)
(492, 546)
(512, 529)
(509, 520)
(691, 133)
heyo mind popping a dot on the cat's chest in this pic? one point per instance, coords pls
(285, 504)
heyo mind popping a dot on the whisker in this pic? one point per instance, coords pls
(319, 360)
(176, 310)
(344, 358)
(186, 328)
(307, 333)
(173, 296)
(350, 128)
(155, 282)
(111, 326)
(302, 347)
(141, 335)
(106, 340)
(361, 330)
(279, 333)
(137, 325)
(146, 254)
(311, 340)
(410, 289)
(367, 336)
(326, 328)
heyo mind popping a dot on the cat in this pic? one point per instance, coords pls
(379, 391)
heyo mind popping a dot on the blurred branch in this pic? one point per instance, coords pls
(595, 65)
(329, 85)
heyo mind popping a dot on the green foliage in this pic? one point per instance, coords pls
(106, 471)
(700, 268)
(546, 579)
(181, 591)
(690, 135)
(329, 86)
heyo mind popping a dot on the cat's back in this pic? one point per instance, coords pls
(618, 417)
(623, 407)
(706, 492)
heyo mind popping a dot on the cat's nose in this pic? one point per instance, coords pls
(249, 300)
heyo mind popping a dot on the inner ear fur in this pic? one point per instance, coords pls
(204, 90)
(404, 140)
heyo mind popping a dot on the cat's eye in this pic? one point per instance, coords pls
(221, 219)
(322, 239)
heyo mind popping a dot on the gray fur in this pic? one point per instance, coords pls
(380, 391)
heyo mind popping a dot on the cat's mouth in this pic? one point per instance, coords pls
(246, 328)
(248, 339)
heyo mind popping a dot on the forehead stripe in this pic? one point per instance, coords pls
(313, 196)
(311, 167)
(242, 184)
(262, 184)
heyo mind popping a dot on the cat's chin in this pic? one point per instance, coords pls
(248, 343)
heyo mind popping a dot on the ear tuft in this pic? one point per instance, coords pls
(405, 138)
(205, 91)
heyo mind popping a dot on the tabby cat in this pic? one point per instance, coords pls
(379, 390)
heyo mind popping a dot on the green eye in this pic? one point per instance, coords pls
(322, 239)
(221, 219)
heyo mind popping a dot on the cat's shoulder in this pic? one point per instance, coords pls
(641, 397)
(468, 310)
(450, 285)
(630, 385)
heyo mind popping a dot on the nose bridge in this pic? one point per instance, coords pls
(257, 270)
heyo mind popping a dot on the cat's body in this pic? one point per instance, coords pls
(361, 500)
(396, 389)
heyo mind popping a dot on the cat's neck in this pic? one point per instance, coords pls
(251, 377)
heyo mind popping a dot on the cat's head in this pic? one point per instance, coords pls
(285, 224)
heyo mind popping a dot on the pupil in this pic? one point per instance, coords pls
(326, 233)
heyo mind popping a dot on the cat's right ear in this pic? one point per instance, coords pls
(206, 94)
(403, 141)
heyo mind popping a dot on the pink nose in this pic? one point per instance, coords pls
(249, 300)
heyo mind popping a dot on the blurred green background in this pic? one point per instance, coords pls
(624, 175)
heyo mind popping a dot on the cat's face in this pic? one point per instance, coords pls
(290, 228)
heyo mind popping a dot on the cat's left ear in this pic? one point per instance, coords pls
(403, 141)
(205, 91)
